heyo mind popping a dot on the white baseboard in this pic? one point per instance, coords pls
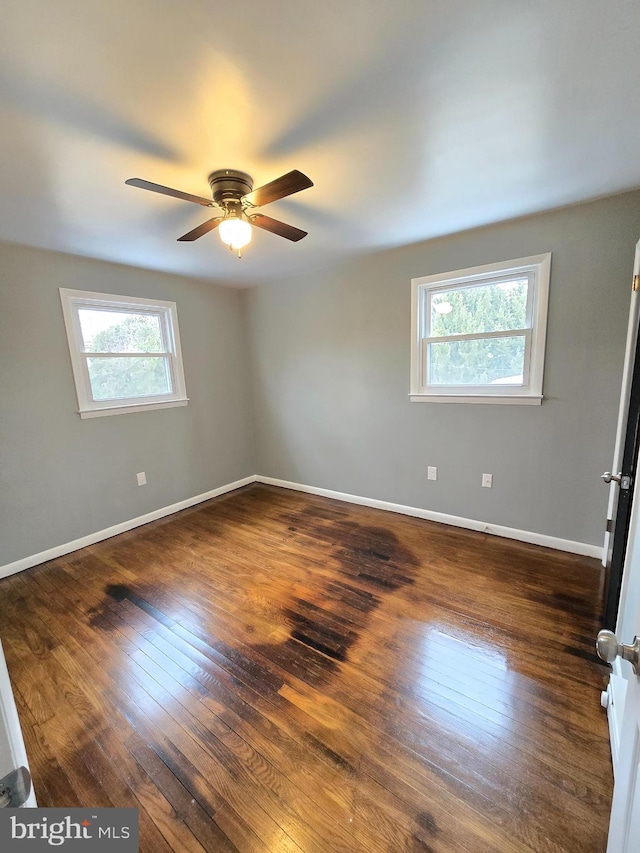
(455, 520)
(581, 548)
(617, 691)
(108, 532)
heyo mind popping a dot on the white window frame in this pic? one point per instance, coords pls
(537, 269)
(72, 302)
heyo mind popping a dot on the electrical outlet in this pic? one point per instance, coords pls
(142, 478)
(487, 481)
(432, 472)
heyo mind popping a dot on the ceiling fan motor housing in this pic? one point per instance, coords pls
(228, 186)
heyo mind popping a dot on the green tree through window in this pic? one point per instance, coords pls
(136, 333)
(113, 377)
(474, 310)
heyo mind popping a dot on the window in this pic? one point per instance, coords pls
(125, 353)
(478, 335)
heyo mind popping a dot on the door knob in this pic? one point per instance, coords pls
(15, 788)
(609, 649)
(623, 481)
(608, 477)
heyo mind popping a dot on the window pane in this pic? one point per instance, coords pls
(495, 307)
(120, 331)
(489, 361)
(118, 378)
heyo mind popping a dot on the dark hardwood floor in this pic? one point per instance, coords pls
(272, 671)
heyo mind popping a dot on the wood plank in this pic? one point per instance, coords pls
(272, 671)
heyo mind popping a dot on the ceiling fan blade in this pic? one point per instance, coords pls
(288, 184)
(277, 227)
(207, 226)
(158, 188)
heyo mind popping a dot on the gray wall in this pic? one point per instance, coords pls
(331, 378)
(62, 477)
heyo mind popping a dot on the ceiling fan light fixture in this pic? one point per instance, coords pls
(235, 232)
(233, 195)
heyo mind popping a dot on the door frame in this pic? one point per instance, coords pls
(625, 460)
(12, 750)
(624, 705)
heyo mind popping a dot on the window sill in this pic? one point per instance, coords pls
(138, 407)
(503, 399)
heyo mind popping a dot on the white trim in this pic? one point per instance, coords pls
(141, 407)
(517, 400)
(569, 545)
(537, 269)
(623, 408)
(617, 690)
(10, 730)
(108, 532)
(475, 336)
(166, 312)
(520, 265)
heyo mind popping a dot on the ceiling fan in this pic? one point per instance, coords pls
(236, 199)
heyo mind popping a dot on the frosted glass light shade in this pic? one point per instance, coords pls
(235, 232)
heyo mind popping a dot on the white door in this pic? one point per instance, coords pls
(624, 828)
(625, 461)
(13, 755)
(624, 687)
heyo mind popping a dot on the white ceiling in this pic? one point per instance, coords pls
(414, 118)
